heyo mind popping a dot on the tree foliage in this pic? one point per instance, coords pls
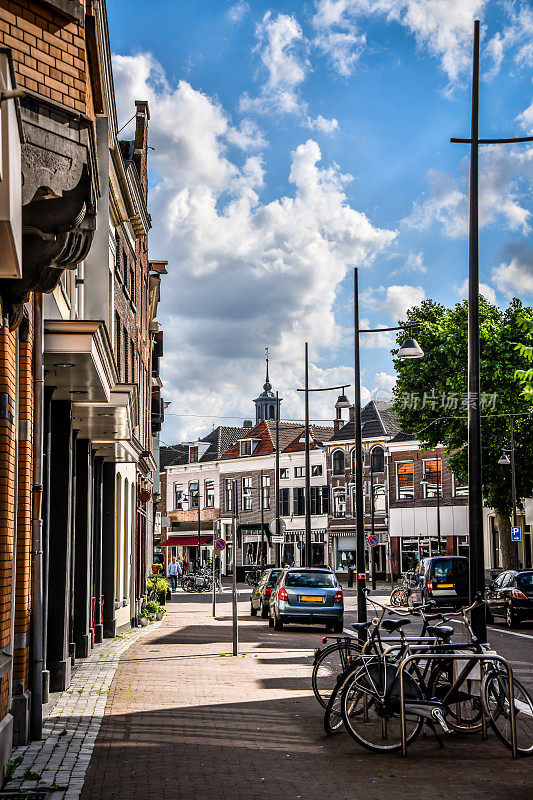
(525, 376)
(431, 397)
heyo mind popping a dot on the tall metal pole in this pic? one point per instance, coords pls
(36, 709)
(475, 502)
(214, 576)
(261, 495)
(307, 466)
(372, 549)
(438, 505)
(234, 576)
(513, 488)
(276, 545)
(199, 528)
(359, 496)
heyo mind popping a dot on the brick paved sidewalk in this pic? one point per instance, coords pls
(187, 721)
(60, 760)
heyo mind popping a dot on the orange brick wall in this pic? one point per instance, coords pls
(24, 532)
(49, 52)
(7, 493)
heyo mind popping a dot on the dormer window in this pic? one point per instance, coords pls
(193, 454)
(247, 446)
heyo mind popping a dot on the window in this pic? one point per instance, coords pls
(228, 494)
(118, 340)
(132, 285)
(209, 492)
(178, 495)
(284, 508)
(298, 498)
(379, 501)
(319, 499)
(265, 492)
(194, 494)
(459, 489)
(432, 472)
(246, 447)
(283, 473)
(193, 454)
(339, 502)
(405, 487)
(125, 356)
(133, 360)
(377, 459)
(298, 472)
(246, 494)
(315, 580)
(316, 470)
(338, 462)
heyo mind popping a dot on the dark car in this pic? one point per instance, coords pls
(262, 591)
(307, 595)
(442, 579)
(511, 596)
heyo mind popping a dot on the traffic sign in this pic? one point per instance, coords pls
(373, 540)
(272, 527)
(300, 545)
(220, 544)
(277, 539)
(516, 533)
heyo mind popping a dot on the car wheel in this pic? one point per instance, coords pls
(278, 624)
(253, 611)
(270, 622)
(264, 612)
(338, 626)
(511, 620)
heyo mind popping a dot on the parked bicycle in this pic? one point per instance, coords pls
(401, 594)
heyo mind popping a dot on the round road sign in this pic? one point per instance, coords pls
(220, 544)
(373, 540)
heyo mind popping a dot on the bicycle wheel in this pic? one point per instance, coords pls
(395, 595)
(463, 709)
(370, 707)
(498, 707)
(333, 722)
(329, 664)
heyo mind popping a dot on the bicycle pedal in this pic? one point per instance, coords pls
(438, 716)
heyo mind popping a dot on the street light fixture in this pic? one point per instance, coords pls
(504, 460)
(342, 402)
(410, 349)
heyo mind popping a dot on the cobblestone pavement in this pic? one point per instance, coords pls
(186, 721)
(60, 760)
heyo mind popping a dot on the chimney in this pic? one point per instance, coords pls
(337, 425)
(351, 412)
(247, 423)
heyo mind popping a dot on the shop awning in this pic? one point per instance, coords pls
(184, 541)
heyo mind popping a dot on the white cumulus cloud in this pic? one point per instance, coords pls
(514, 277)
(393, 300)
(242, 273)
(237, 11)
(484, 289)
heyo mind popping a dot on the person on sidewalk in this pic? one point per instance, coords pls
(174, 570)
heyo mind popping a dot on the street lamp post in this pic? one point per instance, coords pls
(475, 489)
(409, 349)
(276, 546)
(506, 461)
(372, 549)
(307, 390)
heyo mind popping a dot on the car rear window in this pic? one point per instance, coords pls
(447, 569)
(274, 575)
(525, 581)
(320, 580)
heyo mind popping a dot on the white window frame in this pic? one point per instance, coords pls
(209, 494)
(246, 484)
(456, 487)
(398, 497)
(426, 494)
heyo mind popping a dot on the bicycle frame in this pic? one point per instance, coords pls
(475, 657)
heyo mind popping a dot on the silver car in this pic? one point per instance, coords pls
(307, 596)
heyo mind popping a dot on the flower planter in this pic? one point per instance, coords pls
(143, 621)
(159, 616)
(162, 598)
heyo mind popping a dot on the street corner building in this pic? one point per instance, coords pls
(80, 393)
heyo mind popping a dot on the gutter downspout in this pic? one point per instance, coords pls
(36, 713)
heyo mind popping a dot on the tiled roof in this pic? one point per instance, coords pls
(173, 454)
(377, 419)
(318, 433)
(266, 433)
(403, 436)
(219, 440)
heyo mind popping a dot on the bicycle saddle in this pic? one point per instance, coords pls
(361, 626)
(441, 632)
(391, 625)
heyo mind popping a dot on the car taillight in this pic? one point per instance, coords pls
(338, 596)
(268, 590)
(430, 586)
(282, 594)
(518, 594)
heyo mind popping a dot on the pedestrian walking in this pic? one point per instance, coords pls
(174, 570)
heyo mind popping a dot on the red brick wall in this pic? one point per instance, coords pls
(49, 52)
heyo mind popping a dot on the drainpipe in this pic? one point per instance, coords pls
(36, 714)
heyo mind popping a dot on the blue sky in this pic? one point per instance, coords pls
(294, 141)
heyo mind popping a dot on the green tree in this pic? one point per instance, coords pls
(431, 398)
(525, 376)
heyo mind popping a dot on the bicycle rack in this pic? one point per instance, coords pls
(459, 657)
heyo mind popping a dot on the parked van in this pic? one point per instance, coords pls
(443, 579)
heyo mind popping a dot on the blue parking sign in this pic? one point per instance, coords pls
(516, 533)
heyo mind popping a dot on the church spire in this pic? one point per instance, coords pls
(267, 386)
(265, 404)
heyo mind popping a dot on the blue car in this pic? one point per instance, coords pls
(307, 596)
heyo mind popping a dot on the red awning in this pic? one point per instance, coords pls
(183, 541)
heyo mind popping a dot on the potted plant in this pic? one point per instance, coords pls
(163, 587)
(156, 568)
